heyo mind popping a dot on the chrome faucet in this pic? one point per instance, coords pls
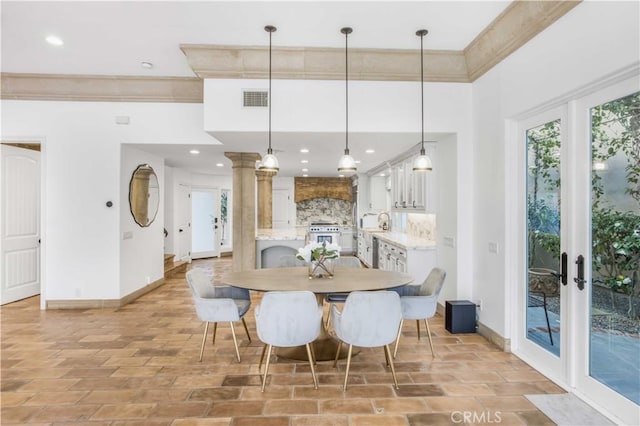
(386, 225)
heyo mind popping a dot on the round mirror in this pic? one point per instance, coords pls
(144, 195)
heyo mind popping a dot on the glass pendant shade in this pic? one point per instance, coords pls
(347, 164)
(269, 163)
(422, 163)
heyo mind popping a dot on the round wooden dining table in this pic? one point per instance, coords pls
(344, 280)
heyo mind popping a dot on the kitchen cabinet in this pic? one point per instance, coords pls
(397, 258)
(414, 191)
(346, 240)
(365, 248)
(377, 193)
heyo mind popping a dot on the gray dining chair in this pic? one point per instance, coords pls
(331, 298)
(290, 260)
(218, 304)
(369, 319)
(420, 302)
(288, 319)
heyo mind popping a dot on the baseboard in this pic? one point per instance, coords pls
(486, 332)
(495, 338)
(104, 303)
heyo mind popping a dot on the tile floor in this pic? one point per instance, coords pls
(138, 365)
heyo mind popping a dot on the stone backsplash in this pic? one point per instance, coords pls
(422, 226)
(324, 210)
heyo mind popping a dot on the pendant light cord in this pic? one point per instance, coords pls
(346, 82)
(269, 151)
(422, 89)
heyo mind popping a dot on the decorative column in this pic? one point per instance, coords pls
(244, 209)
(265, 199)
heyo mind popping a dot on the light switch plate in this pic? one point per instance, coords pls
(493, 247)
(127, 235)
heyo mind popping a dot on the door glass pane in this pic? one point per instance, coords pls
(543, 236)
(615, 237)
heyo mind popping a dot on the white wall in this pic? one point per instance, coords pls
(81, 163)
(141, 257)
(592, 40)
(168, 208)
(447, 214)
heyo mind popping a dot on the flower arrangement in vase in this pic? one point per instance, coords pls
(320, 257)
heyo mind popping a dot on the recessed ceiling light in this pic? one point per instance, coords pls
(305, 170)
(357, 161)
(304, 161)
(54, 40)
(304, 150)
(382, 174)
(370, 151)
(305, 175)
(146, 65)
(340, 175)
(194, 152)
(219, 165)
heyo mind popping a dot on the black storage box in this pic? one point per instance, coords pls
(460, 316)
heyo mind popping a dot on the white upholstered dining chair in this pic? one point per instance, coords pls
(218, 304)
(369, 319)
(420, 302)
(331, 298)
(288, 319)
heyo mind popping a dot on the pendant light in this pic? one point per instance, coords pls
(347, 164)
(422, 163)
(269, 162)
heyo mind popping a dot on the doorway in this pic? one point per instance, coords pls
(20, 223)
(206, 223)
(579, 258)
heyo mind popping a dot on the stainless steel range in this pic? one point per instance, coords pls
(321, 232)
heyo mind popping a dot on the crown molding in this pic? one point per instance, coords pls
(515, 26)
(101, 88)
(307, 63)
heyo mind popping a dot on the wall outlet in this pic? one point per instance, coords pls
(127, 235)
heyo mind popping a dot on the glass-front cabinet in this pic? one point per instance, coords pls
(413, 191)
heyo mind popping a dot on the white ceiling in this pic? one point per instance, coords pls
(113, 38)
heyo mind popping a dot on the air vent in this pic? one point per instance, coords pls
(255, 98)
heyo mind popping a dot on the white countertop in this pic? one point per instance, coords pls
(403, 240)
(281, 234)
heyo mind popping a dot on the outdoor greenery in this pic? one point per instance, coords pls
(615, 218)
(543, 200)
(616, 229)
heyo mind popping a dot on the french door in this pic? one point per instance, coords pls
(580, 264)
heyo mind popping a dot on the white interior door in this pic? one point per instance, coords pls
(183, 222)
(20, 223)
(205, 223)
(280, 209)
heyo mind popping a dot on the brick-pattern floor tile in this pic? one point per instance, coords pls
(138, 365)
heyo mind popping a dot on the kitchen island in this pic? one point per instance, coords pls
(396, 251)
(271, 244)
